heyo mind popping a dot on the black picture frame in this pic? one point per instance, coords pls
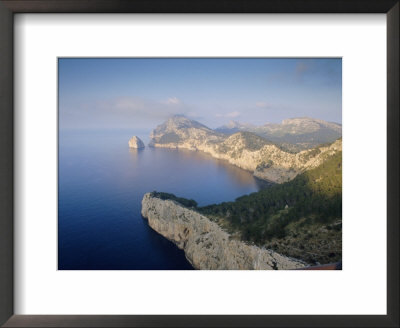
(10, 7)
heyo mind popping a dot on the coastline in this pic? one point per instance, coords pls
(206, 245)
(285, 166)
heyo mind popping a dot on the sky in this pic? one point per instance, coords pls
(140, 93)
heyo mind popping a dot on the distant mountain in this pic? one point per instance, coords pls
(250, 151)
(234, 126)
(293, 134)
(178, 129)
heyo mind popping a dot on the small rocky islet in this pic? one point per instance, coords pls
(136, 143)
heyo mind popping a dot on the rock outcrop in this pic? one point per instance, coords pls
(246, 150)
(205, 244)
(136, 142)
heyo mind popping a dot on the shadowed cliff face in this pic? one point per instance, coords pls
(246, 150)
(205, 244)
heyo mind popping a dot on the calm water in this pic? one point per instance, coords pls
(101, 185)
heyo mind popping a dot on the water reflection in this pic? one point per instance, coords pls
(136, 151)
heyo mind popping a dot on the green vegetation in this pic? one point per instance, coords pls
(180, 200)
(327, 144)
(264, 165)
(297, 142)
(251, 142)
(222, 148)
(301, 218)
(312, 153)
(169, 138)
(254, 142)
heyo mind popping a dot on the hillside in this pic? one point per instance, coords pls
(179, 130)
(301, 218)
(266, 159)
(294, 134)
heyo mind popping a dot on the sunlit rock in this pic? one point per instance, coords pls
(205, 244)
(136, 142)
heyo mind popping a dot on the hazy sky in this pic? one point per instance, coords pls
(142, 93)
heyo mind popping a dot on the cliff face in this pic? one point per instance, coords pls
(243, 149)
(205, 244)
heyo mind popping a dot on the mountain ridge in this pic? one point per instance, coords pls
(295, 134)
(247, 150)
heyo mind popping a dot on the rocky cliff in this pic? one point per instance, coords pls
(205, 244)
(136, 142)
(246, 150)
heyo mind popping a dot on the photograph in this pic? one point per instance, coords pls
(199, 163)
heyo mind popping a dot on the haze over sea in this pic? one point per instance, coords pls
(101, 185)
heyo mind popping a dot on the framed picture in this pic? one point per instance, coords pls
(137, 147)
(216, 145)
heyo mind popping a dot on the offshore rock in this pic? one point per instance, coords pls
(136, 142)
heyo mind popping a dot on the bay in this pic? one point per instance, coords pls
(101, 184)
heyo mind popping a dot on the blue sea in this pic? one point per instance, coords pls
(101, 182)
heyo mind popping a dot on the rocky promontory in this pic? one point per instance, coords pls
(205, 244)
(136, 142)
(244, 149)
